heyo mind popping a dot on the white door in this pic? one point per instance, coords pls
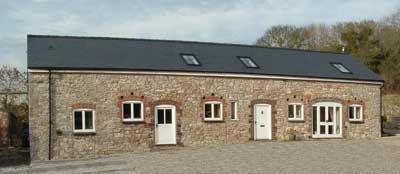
(262, 121)
(327, 117)
(165, 130)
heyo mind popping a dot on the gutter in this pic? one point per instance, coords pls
(50, 122)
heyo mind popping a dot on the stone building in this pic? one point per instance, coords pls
(91, 96)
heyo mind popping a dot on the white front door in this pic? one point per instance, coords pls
(165, 130)
(327, 117)
(262, 121)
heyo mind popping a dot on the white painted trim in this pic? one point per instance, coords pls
(84, 130)
(212, 111)
(132, 119)
(327, 136)
(206, 74)
(294, 110)
(326, 105)
(354, 106)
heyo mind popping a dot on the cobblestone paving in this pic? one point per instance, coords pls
(323, 156)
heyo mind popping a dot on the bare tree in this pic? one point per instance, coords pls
(286, 36)
(12, 84)
(393, 19)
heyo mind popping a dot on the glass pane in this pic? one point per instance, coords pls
(190, 59)
(338, 114)
(233, 108)
(341, 68)
(330, 114)
(137, 110)
(322, 129)
(78, 119)
(358, 112)
(168, 116)
(217, 110)
(330, 129)
(291, 111)
(88, 120)
(248, 62)
(160, 116)
(351, 112)
(207, 111)
(322, 114)
(298, 111)
(315, 120)
(127, 110)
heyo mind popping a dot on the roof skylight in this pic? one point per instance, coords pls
(248, 62)
(190, 59)
(341, 67)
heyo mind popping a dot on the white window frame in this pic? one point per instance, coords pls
(212, 111)
(355, 112)
(84, 130)
(294, 110)
(132, 119)
(235, 110)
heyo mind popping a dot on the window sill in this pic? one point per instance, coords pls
(132, 121)
(213, 121)
(326, 136)
(356, 121)
(84, 133)
(296, 120)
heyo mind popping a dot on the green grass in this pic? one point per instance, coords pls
(391, 105)
(391, 109)
(14, 156)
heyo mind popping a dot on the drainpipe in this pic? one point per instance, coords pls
(50, 123)
(380, 110)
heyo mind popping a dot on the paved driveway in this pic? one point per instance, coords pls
(324, 156)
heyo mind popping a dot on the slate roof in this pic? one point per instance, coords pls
(103, 53)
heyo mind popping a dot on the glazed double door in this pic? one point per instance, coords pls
(327, 117)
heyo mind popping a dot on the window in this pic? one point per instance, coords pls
(233, 110)
(295, 111)
(190, 59)
(248, 62)
(213, 111)
(341, 67)
(83, 120)
(355, 113)
(132, 111)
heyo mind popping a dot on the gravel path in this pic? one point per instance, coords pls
(323, 156)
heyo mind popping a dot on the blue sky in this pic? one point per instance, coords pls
(232, 21)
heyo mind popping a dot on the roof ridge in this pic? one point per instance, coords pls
(178, 41)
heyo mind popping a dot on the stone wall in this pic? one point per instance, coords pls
(38, 115)
(104, 92)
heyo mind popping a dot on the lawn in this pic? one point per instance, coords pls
(14, 156)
